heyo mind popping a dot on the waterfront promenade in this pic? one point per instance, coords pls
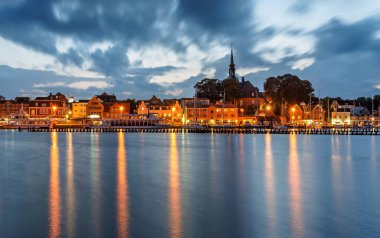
(329, 131)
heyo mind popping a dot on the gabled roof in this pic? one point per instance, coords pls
(247, 90)
(106, 97)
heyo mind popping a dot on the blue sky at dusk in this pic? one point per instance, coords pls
(135, 48)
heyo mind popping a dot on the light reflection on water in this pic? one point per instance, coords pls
(96, 184)
(270, 186)
(70, 200)
(175, 214)
(188, 185)
(295, 188)
(122, 189)
(54, 195)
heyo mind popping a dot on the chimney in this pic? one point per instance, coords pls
(242, 80)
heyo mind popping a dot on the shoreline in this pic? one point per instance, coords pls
(235, 130)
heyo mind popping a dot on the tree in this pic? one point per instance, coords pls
(209, 88)
(133, 105)
(251, 110)
(231, 87)
(288, 87)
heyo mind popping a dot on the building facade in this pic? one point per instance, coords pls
(50, 107)
(217, 114)
(79, 109)
(170, 111)
(11, 108)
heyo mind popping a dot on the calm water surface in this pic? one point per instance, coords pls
(188, 185)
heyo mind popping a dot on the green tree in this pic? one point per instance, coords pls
(209, 88)
(288, 87)
(133, 105)
(251, 110)
(231, 87)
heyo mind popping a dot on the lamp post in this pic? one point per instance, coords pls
(121, 111)
(293, 109)
(173, 110)
(54, 109)
(268, 109)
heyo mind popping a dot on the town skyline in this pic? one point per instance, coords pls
(332, 45)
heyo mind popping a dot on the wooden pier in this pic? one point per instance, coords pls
(340, 131)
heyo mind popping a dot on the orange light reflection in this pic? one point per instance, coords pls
(122, 189)
(54, 191)
(270, 185)
(70, 187)
(295, 188)
(175, 213)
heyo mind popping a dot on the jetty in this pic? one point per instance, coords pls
(210, 130)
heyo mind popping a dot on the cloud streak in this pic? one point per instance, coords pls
(164, 47)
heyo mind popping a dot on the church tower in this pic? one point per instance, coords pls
(231, 71)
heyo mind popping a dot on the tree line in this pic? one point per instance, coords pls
(215, 89)
(286, 88)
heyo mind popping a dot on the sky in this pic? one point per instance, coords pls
(134, 48)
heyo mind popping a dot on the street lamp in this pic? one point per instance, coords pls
(121, 111)
(54, 109)
(173, 110)
(293, 109)
(268, 107)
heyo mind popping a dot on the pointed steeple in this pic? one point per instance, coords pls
(231, 71)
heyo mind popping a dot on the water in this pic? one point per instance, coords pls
(188, 185)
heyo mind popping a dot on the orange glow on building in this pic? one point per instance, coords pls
(175, 212)
(54, 190)
(295, 188)
(122, 189)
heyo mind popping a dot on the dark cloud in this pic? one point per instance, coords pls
(220, 16)
(337, 38)
(347, 58)
(346, 54)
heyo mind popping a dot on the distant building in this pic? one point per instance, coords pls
(217, 114)
(78, 109)
(106, 106)
(52, 106)
(306, 114)
(168, 110)
(16, 107)
(295, 114)
(350, 115)
(114, 110)
(249, 101)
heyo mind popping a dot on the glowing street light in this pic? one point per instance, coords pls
(293, 110)
(121, 110)
(54, 110)
(173, 109)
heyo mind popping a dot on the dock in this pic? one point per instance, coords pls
(237, 130)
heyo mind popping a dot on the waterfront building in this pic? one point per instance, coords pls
(249, 102)
(52, 106)
(296, 114)
(351, 115)
(116, 109)
(79, 109)
(170, 111)
(12, 108)
(214, 114)
(306, 114)
(95, 108)
(106, 106)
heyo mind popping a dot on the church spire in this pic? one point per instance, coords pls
(231, 71)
